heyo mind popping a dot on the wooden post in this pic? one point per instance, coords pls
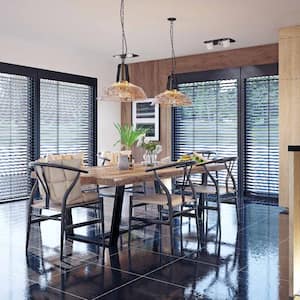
(294, 220)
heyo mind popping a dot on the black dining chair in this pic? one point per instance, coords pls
(60, 191)
(218, 187)
(169, 206)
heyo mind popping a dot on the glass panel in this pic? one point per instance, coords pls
(15, 122)
(262, 136)
(64, 117)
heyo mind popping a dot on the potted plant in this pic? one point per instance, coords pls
(128, 137)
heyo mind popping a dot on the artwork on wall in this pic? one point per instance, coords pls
(146, 115)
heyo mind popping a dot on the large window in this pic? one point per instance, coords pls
(64, 117)
(211, 122)
(262, 153)
(42, 112)
(235, 113)
(15, 108)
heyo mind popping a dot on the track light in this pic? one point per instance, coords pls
(224, 42)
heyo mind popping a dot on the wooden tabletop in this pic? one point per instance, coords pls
(112, 176)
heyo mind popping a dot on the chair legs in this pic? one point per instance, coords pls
(171, 235)
(129, 221)
(28, 227)
(62, 235)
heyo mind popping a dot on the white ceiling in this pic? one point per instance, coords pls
(93, 25)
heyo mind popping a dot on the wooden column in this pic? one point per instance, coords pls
(289, 101)
(294, 220)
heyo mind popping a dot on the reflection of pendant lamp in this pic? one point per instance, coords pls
(171, 96)
(122, 90)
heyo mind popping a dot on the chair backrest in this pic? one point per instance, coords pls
(59, 181)
(228, 163)
(186, 168)
(103, 160)
(205, 153)
(67, 156)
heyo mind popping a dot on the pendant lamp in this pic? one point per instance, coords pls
(171, 96)
(122, 90)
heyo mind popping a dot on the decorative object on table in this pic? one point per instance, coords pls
(123, 162)
(197, 157)
(172, 97)
(152, 149)
(128, 137)
(122, 90)
(145, 115)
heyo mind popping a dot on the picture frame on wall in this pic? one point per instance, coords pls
(146, 115)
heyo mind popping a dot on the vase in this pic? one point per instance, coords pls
(123, 163)
(150, 158)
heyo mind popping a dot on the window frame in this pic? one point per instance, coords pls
(36, 74)
(241, 74)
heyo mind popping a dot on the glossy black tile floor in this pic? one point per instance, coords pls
(249, 262)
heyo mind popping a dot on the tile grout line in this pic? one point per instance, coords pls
(117, 288)
(138, 278)
(64, 292)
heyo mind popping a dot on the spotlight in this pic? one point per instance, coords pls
(209, 45)
(224, 42)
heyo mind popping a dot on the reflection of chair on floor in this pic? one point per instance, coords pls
(169, 206)
(60, 189)
(228, 262)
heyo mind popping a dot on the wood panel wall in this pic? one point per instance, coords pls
(289, 102)
(152, 76)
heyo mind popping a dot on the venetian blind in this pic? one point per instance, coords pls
(65, 122)
(15, 136)
(211, 122)
(262, 139)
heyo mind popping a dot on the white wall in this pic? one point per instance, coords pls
(53, 57)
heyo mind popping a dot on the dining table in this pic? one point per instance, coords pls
(112, 176)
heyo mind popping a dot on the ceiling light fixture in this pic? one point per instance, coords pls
(122, 90)
(224, 42)
(172, 97)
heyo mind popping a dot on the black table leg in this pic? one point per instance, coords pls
(116, 217)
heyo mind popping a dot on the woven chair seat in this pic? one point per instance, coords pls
(211, 189)
(161, 199)
(86, 198)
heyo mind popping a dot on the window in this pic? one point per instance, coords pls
(42, 112)
(262, 141)
(64, 117)
(15, 128)
(211, 122)
(235, 113)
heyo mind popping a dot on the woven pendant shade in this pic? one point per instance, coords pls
(124, 91)
(172, 98)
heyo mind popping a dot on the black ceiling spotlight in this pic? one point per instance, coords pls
(224, 42)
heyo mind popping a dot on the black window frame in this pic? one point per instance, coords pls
(240, 74)
(36, 74)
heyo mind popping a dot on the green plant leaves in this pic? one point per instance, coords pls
(128, 135)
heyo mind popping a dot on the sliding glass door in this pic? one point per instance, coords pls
(211, 123)
(64, 117)
(15, 135)
(235, 113)
(262, 137)
(42, 112)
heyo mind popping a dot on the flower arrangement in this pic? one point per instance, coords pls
(152, 149)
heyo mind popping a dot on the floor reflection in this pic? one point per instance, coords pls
(247, 262)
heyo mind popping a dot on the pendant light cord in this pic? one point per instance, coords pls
(172, 46)
(124, 41)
